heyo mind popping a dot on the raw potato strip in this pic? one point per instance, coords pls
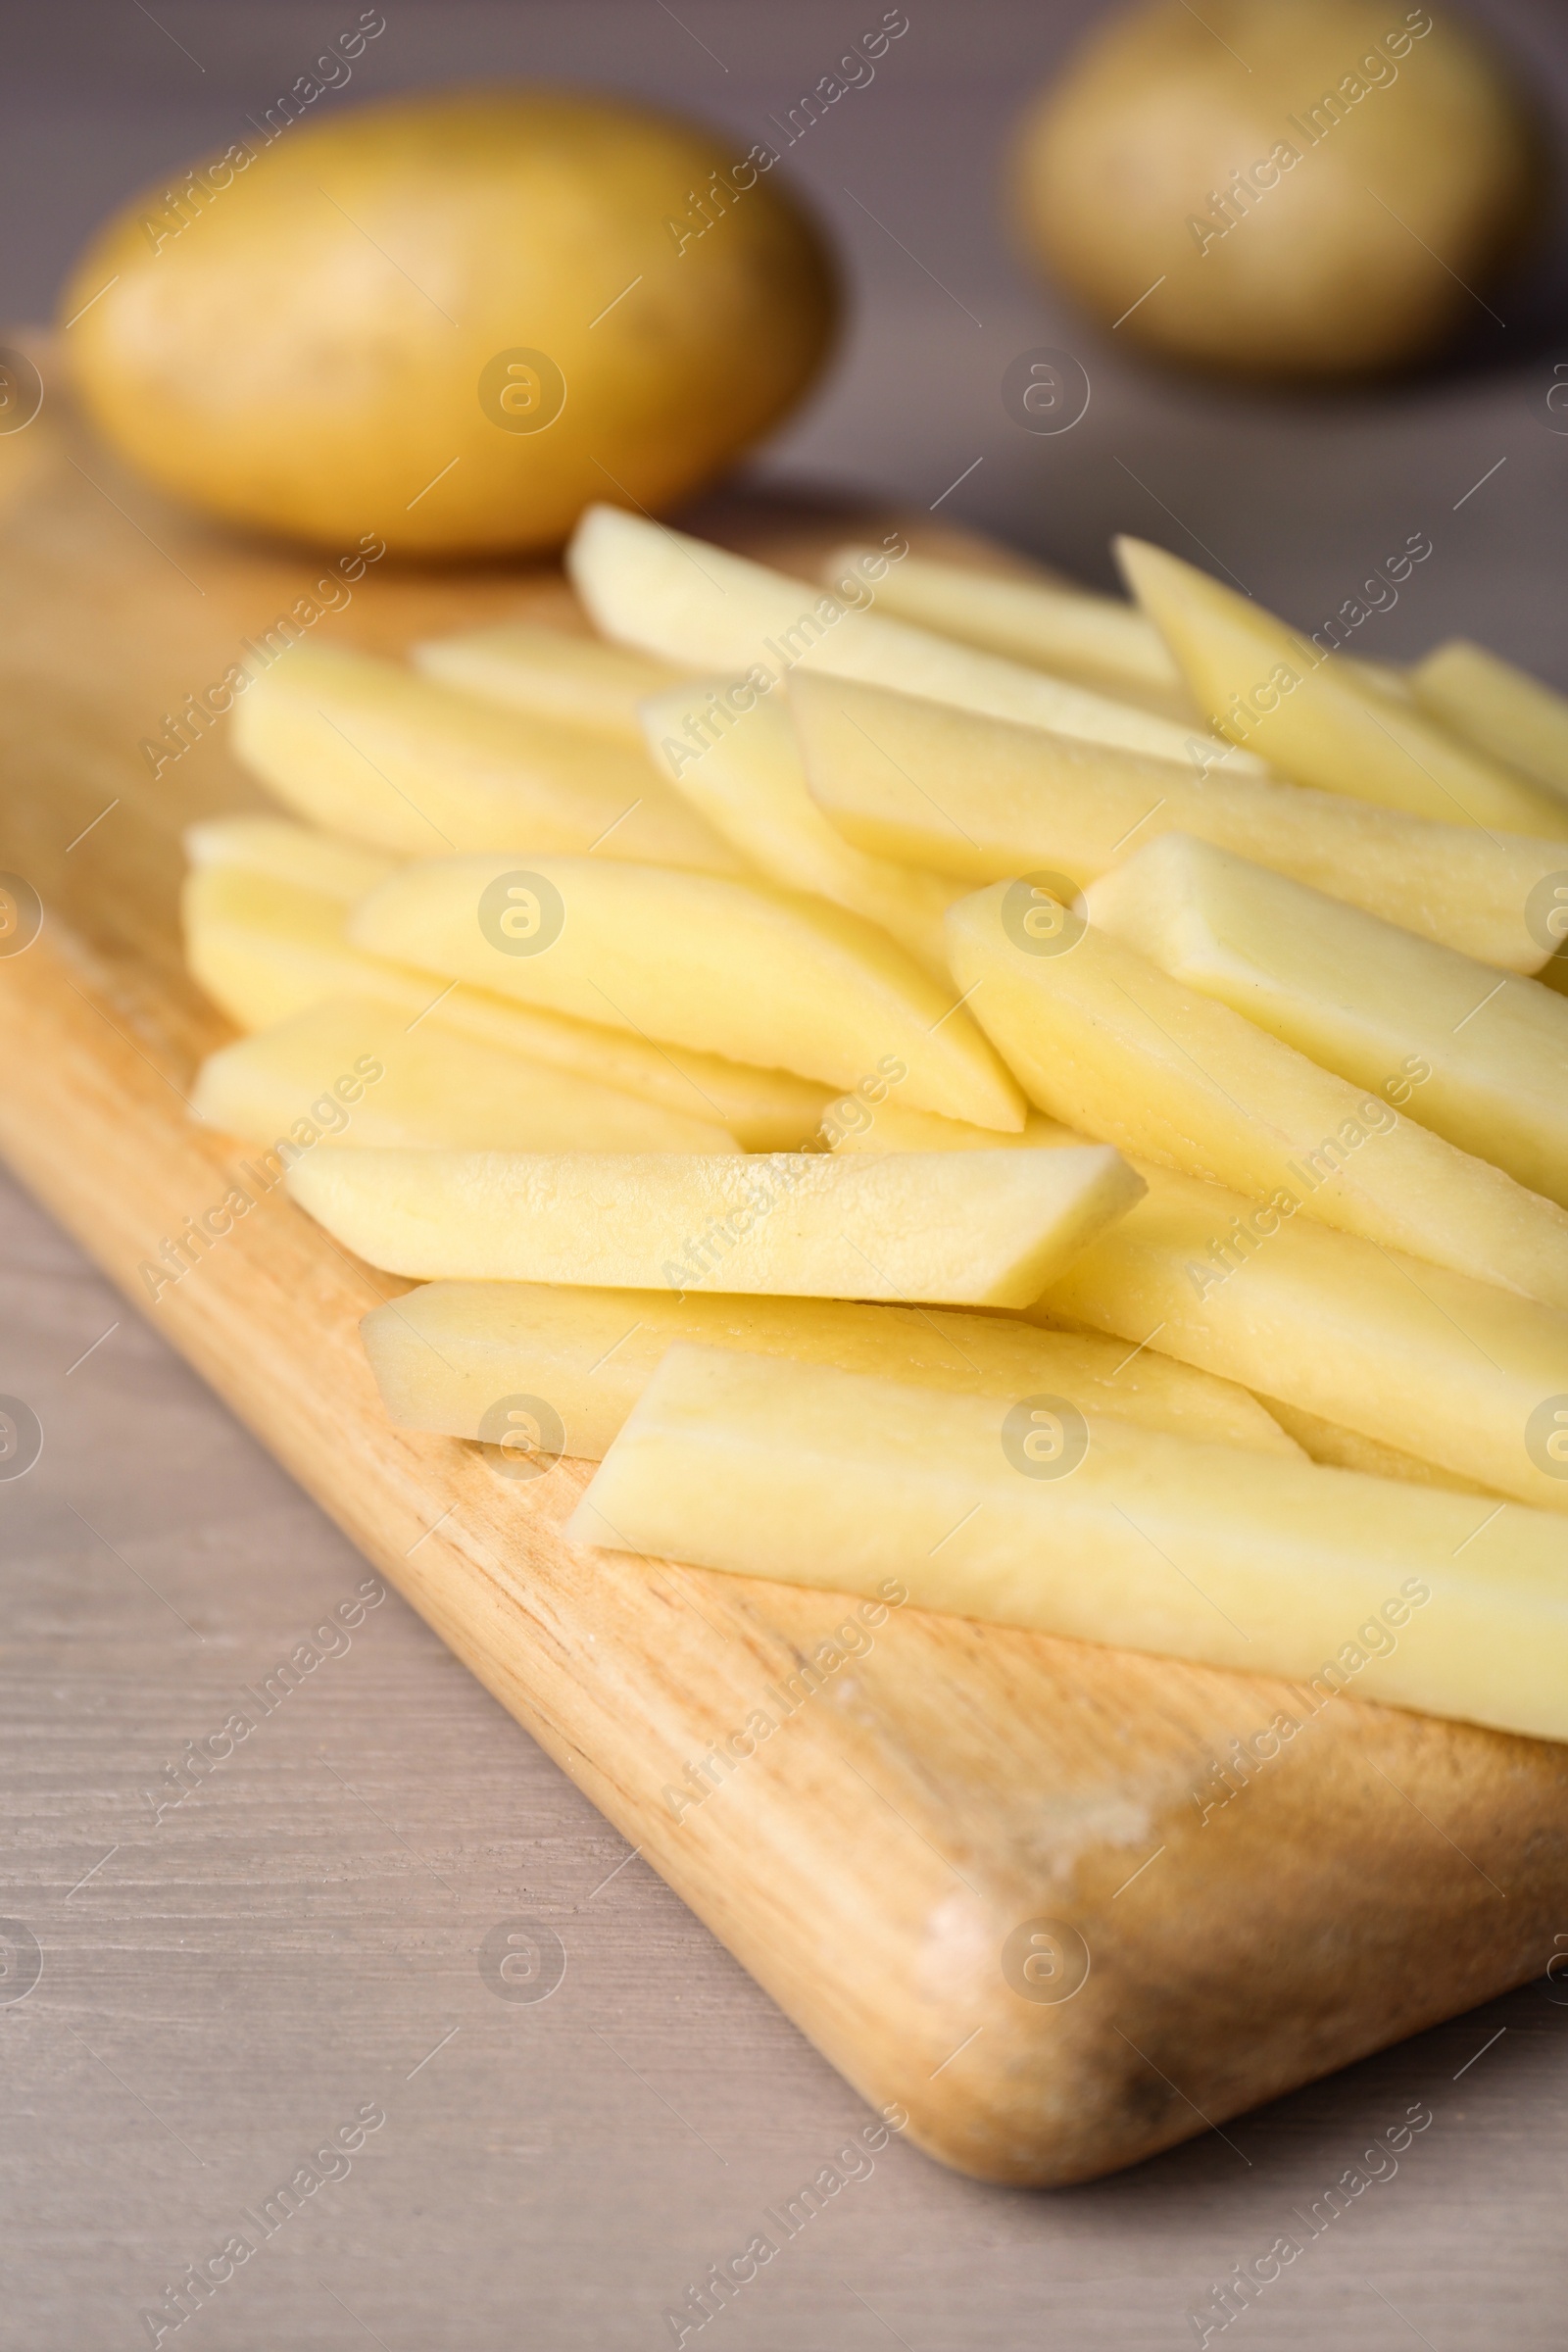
(368, 749)
(577, 682)
(1452, 1371)
(736, 968)
(741, 771)
(264, 950)
(1502, 710)
(1096, 640)
(1314, 718)
(1140, 1540)
(1106, 1042)
(324, 863)
(979, 1229)
(1339, 1448)
(453, 1356)
(648, 586)
(905, 779)
(424, 1086)
(853, 1124)
(1484, 1059)
(1386, 1364)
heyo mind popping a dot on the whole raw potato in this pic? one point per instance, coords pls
(452, 320)
(1283, 187)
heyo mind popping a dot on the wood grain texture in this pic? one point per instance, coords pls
(876, 1859)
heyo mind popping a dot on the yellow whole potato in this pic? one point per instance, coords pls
(1282, 187)
(454, 320)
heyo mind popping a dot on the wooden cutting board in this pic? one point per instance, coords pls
(1004, 1882)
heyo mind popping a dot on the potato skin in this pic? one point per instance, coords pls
(305, 355)
(1312, 275)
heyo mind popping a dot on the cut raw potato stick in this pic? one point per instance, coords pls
(453, 1356)
(1453, 1371)
(764, 1110)
(368, 749)
(327, 864)
(1017, 1514)
(1106, 1042)
(735, 968)
(1339, 1448)
(1317, 719)
(264, 947)
(733, 755)
(1372, 1360)
(854, 1124)
(972, 1229)
(1386, 678)
(1477, 1056)
(352, 1070)
(1505, 712)
(706, 609)
(905, 779)
(265, 950)
(577, 681)
(1096, 640)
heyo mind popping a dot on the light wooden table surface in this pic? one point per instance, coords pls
(226, 1984)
